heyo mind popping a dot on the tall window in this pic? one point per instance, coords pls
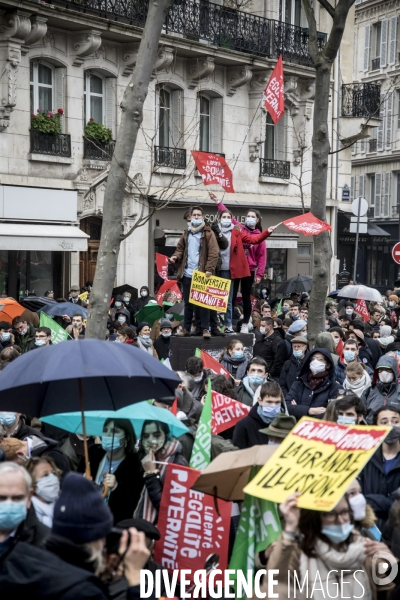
(275, 139)
(291, 11)
(94, 97)
(164, 118)
(42, 87)
(269, 146)
(205, 117)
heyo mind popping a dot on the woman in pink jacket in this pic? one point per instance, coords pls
(256, 257)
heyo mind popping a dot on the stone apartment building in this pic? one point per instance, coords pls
(205, 94)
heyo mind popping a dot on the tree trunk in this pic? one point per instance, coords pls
(132, 116)
(322, 243)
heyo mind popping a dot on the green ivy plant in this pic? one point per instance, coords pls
(47, 122)
(97, 131)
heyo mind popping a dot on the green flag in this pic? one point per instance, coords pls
(58, 334)
(201, 453)
(197, 353)
(279, 309)
(259, 526)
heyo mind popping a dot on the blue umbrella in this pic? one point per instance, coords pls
(63, 308)
(136, 413)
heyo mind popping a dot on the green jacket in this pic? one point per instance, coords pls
(26, 342)
(218, 443)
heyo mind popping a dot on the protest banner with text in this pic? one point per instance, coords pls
(226, 412)
(210, 292)
(58, 333)
(318, 459)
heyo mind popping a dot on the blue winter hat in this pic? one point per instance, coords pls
(141, 325)
(80, 514)
(297, 326)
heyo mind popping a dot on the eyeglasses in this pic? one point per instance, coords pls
(41, 337)
(333, 517)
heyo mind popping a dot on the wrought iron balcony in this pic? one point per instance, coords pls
(361, 100)
(274, 168)
(95, 150)
(376, 64)
(53, 144)
(373, 145)
(208, 22)
(174, 158)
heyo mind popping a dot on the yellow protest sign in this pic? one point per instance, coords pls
(318, 459)
(209, 292)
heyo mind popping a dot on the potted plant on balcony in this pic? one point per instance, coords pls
(47, 122)
(97, 132)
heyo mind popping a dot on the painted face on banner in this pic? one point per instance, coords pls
(153, 439)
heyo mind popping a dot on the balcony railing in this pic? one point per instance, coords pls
(94, 150)
(174, 158)
(53, 144)
(211, 23)
(361, 100)
(376, 64)
(373, 144)
(274, 168)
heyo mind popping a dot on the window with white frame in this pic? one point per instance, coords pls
(275, 139)
(42, 87)
(371, 181)
(99, 99)
(169, 117)
(210, 117)
(291, 12)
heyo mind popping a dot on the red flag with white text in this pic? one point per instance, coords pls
(274, 93)
(212, 364)
(362, 310)
(213, 170)
(307, 224)
(162, 265)
(226, 412)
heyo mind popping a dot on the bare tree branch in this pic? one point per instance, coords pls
(328, 7)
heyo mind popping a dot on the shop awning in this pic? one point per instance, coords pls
(20, 236)
(373, 229)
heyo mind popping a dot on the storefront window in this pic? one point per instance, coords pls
(382, 268)
(4, 272)
(277, 259)
(41, 275)
(23, 272)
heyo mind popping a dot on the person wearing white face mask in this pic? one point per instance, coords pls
(385, 387)
(363, 515)
(6, 335)
(314, 387)
(42, 337)
(162, 343)
(117, 463)
(24, 334)
(46, 483)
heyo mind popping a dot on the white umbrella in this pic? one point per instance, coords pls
(360, 292)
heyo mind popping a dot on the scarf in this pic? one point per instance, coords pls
(359, 386)
(240, 363)
(44, 511)
(266, 420)
(385, 341)
(146, 345)
(226, 230)
(166, 454)
(320, 570)
(196, 229)
(315, 380)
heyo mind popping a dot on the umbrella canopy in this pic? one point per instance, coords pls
(64, 308)
(137, 414)
(36, 302)
(119, 291)
(9, 309)
(360, 292)
(334, 294)
(301, 283)
(227, 475)
(150, 313)
(112, 376)
(177, 309)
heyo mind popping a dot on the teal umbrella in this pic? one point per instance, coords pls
(150, 313)
(137, 414)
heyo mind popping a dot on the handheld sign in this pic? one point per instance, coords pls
(209, 292)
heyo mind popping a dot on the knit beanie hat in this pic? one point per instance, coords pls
(141, 325)
(165, 323)
(297, 326)
(394, 297)
(80, 514)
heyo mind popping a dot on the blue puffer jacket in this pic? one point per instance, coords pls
(340, 371)
(302, 393)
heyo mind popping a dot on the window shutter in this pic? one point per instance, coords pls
(59, 92)
(355, 54)
(381, 128)
(354, 148)
(367, 44)
(280, 139)
(392, 40)
(361, 186)
(384, 39)
(389, 120)
(352, 184)
(216, 125)
(378, 189)
(111, 86)
(362, 146)
(386, 197)
(176, 118)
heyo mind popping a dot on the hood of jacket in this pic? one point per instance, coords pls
(325, 340)
(389, 362)
(306, 366)
(122, 311)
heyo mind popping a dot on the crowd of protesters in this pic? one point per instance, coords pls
(55, 521)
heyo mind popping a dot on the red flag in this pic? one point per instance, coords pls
(162, 265)
(174, 407)
(213, 169)
(339, 348)
(192, 533)
(362, 310)
(174, 292)
(212, 364)
(274, 93)
(254, 302)
(307, 224)
(226, 412)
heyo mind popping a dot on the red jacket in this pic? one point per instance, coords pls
(239, 266)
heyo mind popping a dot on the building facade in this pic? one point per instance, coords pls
(75, 59)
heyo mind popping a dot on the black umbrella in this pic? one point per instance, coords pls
(119, 291)
(64, 308)
(36, 302)
(177, 309)
(84, 375)
(301, 283)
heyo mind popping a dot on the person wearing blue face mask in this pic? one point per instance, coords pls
(144, 340)
(234, 360)
(162, 343)
(291, 367)
(268, 406)
(117, 463)
(257, 374)
(6, 335)
(42, 337)
(327, 549)
(350, 355)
